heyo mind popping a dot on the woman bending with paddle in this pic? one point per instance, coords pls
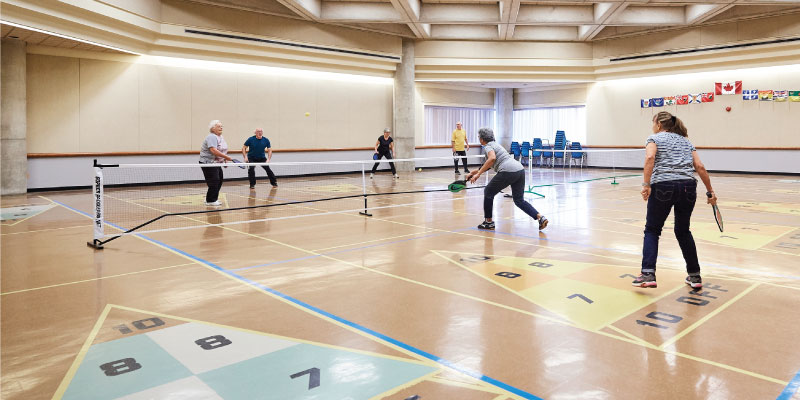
(669, 166)
(509, 173)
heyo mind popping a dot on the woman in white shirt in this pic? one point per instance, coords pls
(213, 151)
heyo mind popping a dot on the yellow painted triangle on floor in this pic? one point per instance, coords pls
(743, 236)
(780, 208)
(590, 295)
(185, 200)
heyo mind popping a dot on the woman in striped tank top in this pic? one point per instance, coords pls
(669, 167)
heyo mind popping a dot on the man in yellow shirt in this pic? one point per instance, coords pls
(460, 146)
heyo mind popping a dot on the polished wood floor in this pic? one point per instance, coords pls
(514, 313)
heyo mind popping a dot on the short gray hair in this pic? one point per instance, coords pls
(387, 130)
(486, 134)
(213, 123)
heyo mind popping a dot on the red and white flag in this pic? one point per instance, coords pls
(728, 87)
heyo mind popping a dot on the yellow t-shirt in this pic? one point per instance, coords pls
(459, 138)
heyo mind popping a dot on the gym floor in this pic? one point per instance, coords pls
(413, 302)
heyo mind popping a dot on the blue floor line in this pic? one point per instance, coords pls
(722, 266)
(484, 378)
(790, 389)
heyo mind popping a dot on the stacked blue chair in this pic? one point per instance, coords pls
(545, 153)
(536, 155)
(576, 155)
(525, 152)
(515, 150)
(560, 144)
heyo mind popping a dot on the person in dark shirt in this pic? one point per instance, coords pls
(384, 147)
(253, 151)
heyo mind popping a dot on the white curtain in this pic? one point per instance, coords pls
(441, 121)
(544, 122)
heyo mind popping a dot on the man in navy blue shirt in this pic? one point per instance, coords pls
(253, 151)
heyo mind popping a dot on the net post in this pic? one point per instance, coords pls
(614, 168)
(364, 187)
(98, 207)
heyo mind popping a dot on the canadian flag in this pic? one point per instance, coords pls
(728, 87)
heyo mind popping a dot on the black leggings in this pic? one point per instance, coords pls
(388, 155)
(251, 172)
(462, 153)
(213, 177)
(502, 180)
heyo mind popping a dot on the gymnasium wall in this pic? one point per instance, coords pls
(556, 96)
(448, 96)
(116, 104)
(615, 117)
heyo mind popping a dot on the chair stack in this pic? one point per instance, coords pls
(536, 154)
(515, 150)
(576, 155)
(525, 152)
(560, 144)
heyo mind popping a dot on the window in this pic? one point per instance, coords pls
(441, 121)
(544, 122)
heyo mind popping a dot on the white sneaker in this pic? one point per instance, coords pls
(371, 175)
(214, 203)
(396, 176)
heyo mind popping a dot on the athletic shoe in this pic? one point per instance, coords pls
(252, 187)
(645, 281)
(371, 175)
(396, 176)
(489, 226)
(274, 185)
(543, 222)
(214, 203)
(458, 173)
(466, 171)
(694, 281)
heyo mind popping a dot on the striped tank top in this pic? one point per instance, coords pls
(673, 157)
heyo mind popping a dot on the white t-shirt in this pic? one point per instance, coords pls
(212, 140)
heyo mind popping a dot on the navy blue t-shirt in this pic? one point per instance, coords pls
(383, 144)
(255, 147)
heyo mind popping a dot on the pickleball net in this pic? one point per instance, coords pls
(148, 198)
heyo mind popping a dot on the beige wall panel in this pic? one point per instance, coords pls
(788, 25)
(214, 96)
(476, 49)
(204, 16)
(615, 118)
(298, 96)
(52, 104)
(146, 8)
(109, 106)
(333, 113)
(550, 98)
(258, 107)
(757, 29)
(165, 106)
(371, 111)
(457, 98)
(716, 34)
(669, 40)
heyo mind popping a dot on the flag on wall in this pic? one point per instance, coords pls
(781, 95)
(682, 99)
(707, 97)
(645, 103)
(669, 100)
(794, 95)
(694, 98)
(657, 102)
(728, 87)
(765, 95)
(750, 94)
